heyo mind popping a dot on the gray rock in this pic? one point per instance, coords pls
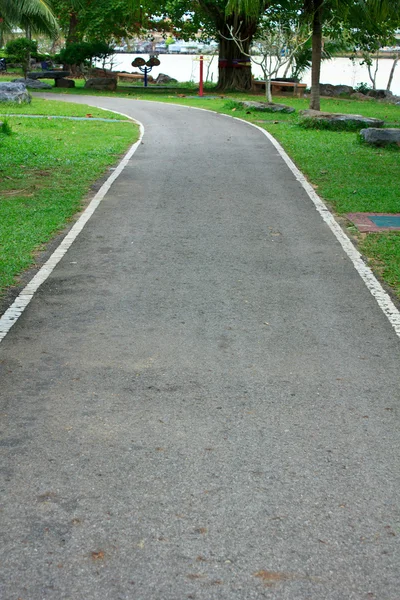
(65, 83)
(381, 137)
(380, 94)
(341, 118)
(34, 84)
(267, 106)
(390, 100)
(14, 92)
(101, 83)
(162, 78)
(360, 96)
(48, 74)
(327, 89)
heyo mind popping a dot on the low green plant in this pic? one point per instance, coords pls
(5, 128)
(362, 88)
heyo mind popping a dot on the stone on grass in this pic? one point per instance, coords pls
(14, 92)
(162, 78)
(327, 89)
(339, 118)
(380, 94)
(381, 137)
(360, 96)
(101, 83)
(34, 84)
(65, 83)
(267, 106)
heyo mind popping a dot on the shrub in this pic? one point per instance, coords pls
(5, 128)
(362, 88)
(81, 54)
(20, 51)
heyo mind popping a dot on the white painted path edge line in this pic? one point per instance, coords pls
(366, 274)
(13, 313)
(383, 299)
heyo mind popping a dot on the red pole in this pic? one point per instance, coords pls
(201, 76)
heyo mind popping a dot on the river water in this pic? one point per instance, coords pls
(185, 67)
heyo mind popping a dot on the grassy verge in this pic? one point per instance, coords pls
(47, 168)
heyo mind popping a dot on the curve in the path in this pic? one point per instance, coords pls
(200, 400)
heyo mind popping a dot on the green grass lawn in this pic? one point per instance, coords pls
(47, 168)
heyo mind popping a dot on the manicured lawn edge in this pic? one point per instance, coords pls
(46, 178)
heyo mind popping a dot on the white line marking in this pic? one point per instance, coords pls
(383, 299)
(12, 314)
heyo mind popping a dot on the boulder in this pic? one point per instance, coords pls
(55, 74)
(380, 94)
(34, 84)
(97, 72)
(101, 83)
(14, 92)
(162, 78)
(339, 118)
(359, 96)
(381, 137)
(65, 83)
(327, 89)
(267, 106)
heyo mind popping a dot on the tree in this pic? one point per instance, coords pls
(82, 54)
(106, 20)
(346, 13)
(31, 15)
(372, 36)
(214, 19)
(279, 37)
(20, 51)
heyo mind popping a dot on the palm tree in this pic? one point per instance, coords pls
(30, 15)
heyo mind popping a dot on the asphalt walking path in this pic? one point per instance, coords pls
(200, 402)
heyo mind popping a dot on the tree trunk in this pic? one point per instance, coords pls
(72, 35)
(234, 67)
(389, 84)
(315, 101)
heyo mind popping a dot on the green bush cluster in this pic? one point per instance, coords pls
(20, 51)
(83, 52)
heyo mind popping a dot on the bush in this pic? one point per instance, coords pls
(362, 88)
(5, 128)
(83, 53)
(20, 51)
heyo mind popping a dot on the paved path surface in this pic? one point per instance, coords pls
(200, 402)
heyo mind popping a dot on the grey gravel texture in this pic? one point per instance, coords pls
(201, 402)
